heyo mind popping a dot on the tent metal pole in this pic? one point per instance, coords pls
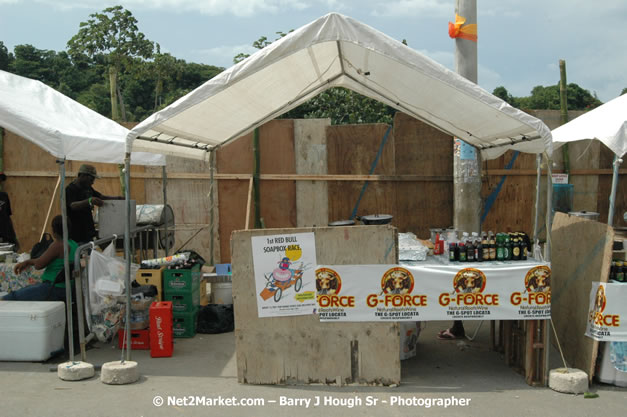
(610, 216)
(165, 207)
(66, 263)
(127, 250)
(549, 209)
(536, 222)
(212, 156)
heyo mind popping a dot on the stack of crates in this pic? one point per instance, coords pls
(182, 288)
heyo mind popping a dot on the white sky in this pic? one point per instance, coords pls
(520, 42)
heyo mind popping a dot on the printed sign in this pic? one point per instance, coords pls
(284, 274)
(606, 311)
(516, 291)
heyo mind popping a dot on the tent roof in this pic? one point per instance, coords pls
(606, 123)
(62, 126)
(337, 51)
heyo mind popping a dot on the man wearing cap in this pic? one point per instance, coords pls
(80, 199)
(7, 232)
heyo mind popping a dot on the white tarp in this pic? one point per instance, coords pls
(606, 123)
(62, 126)
(337, 51)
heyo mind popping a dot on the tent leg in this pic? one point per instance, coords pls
(127, 252)
(610, 216)
(66, 263)
(549, 209)
(165, 207)
(536, 222)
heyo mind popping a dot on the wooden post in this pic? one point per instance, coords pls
(256, 181)
(564, 110)
(250, 192)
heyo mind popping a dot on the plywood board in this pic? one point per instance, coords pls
(277, 198)
(581, 253)
(310, 154)
(422, 149)
(301, 349)
(352, 149)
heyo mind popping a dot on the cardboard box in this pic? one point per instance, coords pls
(152, 277)
(140, 339)
(161, 330)
(410, 330)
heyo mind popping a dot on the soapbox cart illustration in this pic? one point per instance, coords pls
(280, 280)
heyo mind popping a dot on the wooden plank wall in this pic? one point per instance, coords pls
(32, 175)
(416, 157)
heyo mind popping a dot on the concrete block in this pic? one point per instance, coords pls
(118, 373)
(570, 381)
(75, 371)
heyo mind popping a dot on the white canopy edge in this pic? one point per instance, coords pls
(61, 126)
(606, 123)
(337, 51)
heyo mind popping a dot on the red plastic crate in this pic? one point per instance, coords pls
(140, 339)
(161, 330)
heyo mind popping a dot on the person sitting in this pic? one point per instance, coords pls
(53, 262)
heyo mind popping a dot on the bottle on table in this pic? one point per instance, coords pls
(492, 245)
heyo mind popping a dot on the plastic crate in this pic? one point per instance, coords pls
(183, 302)
(184, 324)
(181, 280)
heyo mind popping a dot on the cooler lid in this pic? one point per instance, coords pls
(35, 309)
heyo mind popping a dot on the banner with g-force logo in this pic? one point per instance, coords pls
(607, 312)
(519, 291)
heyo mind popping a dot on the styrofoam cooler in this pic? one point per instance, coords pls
(31, 330)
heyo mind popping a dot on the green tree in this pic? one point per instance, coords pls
(113, 35)
(5, 57)
(502, 93)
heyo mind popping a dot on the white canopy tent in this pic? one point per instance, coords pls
(63, 127)
(337, 51)
(69, 131)
(606, 123)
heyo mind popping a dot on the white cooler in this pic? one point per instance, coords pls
(31, 330)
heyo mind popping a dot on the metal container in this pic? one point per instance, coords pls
(590, 215)
(111, 218)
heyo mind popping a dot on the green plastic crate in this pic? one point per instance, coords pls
(181, 280)
(183, 302)
(184, 324)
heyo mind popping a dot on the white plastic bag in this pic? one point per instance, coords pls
(107, 276)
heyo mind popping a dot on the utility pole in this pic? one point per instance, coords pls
(466, 160)
(564, 111)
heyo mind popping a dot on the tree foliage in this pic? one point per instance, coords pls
(548, 98)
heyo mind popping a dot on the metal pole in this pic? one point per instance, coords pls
(536, 222)
(610, 216)
(127, 250)
(466, 160)
(66, 263)
(212, 165)
(165, 208)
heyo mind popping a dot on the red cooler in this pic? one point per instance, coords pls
(161, 331)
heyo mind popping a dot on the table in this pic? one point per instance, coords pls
(10, 281)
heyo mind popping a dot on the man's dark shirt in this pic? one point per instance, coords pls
(82, 223)
(6, 225)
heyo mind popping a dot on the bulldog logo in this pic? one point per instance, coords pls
(469, 280)
(397, 281)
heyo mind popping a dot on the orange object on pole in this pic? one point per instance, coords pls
(456, 30)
